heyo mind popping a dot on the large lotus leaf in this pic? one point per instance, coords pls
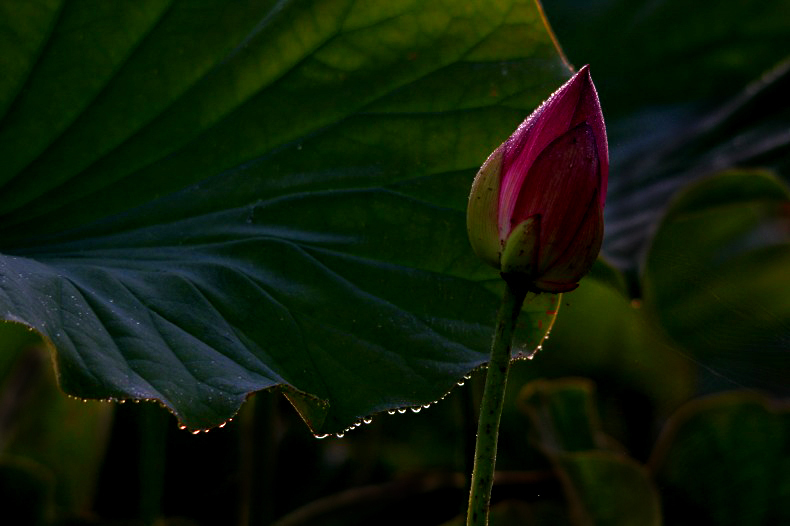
(202, 199)
(725, 460)
(716, 277)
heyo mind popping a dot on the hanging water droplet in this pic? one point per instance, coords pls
(467, 377)
(340, 434)
(182, 427)
(402, 410)
(391, 412)
(460, 382)
(416, 409)
(195, 432)
(532, 354)
(321, 437)
(367, 420)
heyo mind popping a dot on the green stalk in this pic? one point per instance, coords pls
(491, 405)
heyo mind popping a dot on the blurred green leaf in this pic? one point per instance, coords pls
(563, 414)
(687, 54)
(614, 341)
(608, 489)
(25, 492)
(725, 460)
(202, 200)
(66, 437)
(687, 92)
(716, 276)
(15, 339)
(605, 273)
(750, 130)
(603, 487)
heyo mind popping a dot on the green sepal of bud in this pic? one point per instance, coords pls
(521, 250)
(481, 214)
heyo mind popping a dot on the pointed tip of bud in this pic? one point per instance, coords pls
(549, 169)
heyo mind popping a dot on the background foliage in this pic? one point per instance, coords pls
(196, 197)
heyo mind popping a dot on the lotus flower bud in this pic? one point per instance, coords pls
(536, 207)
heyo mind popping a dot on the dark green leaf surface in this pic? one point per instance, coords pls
(716, 276)
(201, 200)
(725, 460)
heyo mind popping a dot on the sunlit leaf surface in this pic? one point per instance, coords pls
(203, 200)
